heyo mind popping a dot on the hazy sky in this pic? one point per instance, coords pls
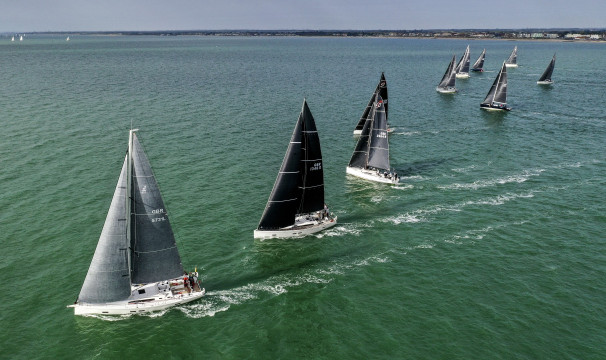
(92, 15)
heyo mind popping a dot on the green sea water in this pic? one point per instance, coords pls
(491, 247)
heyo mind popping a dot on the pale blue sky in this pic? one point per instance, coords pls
(92, 15)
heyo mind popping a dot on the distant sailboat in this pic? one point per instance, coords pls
(479, 64)
(20, 37)
(545, 79)
(463, 65)
(496, 99)
(67, 39)
(136, 267)
(447, 85)
(512, 60)
(13, 38)
(381, 89)
(370, 159)
(296, 205)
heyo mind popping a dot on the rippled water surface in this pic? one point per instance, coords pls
(491, 247)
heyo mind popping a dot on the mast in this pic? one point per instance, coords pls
(128, 197)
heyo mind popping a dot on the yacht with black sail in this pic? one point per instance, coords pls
(370, 159)
(296, 205)
(447, 84)
(478, 66)
(381, 89)
(512, 60)
(462, 69)
(545, 79)
(136, 267)
(496, 99)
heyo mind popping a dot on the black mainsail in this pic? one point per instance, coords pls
(299, 187)
(479, 64)
(546, 77)
(372, 148)
(137, 244)
(449, 78)
(497, 95)
(381, 89)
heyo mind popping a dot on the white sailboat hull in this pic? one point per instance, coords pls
(370, 175)
(446, 91)
(301, 229)
(462, 76)
(544, 82)
(511, 65)
(129, 307)
(359, 132)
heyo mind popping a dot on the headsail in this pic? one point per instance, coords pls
(154, 255)
(285, 196)
(311, 167)
(479, 64)
(547, 73)
(108, 277)
(382, 90)
(449, 78)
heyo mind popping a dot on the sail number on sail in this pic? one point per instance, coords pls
(316, 166)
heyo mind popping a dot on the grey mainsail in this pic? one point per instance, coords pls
(381, 89)
(154, 255)
(463, 65)
(311, 167)
(449, 78)
(108, 277)
(547, 73)
(372, 148)
(479, 64)
(378, 152)
(513, 57)
(498, 90)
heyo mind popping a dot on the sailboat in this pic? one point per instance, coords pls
(67, 39)
(447, 84)
(463, 65)
(13, 38)
(370, 159)
(545, 79)
(382, 90)
(136, 267)
(512, 60)
(496, 99)
(479, 64)
(296, 205)
(20, 37)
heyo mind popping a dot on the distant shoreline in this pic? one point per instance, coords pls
(558, 35)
